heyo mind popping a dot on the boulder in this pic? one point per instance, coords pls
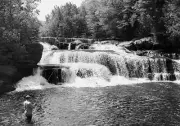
(141, 44)
(53, 73)
(73, 46)
(33, 55)
(62, 45)
(9, 75)
(128, 45)
(83, 46)
(5, 87)
(77, 42)
(34, 51)
(17, 61)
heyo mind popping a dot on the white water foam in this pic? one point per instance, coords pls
(117, 49)
(39, 83)
(34, 82)
(89, 69)
(100, 82)
(95, 82)
(48, 47)
(47, 50)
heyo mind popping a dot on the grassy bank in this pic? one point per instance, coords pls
(148, 104)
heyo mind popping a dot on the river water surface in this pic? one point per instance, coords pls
(147, 104)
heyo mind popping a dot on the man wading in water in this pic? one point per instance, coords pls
(28, 107)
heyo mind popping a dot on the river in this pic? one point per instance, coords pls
(147, 104)
(100, 88)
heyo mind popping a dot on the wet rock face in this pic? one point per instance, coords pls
(52, 75)
(146, 47)
(83, 46)
(18, 54)
(31, 56)
(158, 54)
(34, 51)
(62, 45)
(72, 45)
(141, 44)
(79, 45)
(8, 76)
(144, 43)
(17, 61)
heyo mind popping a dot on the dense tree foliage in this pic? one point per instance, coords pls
(116, 19)
(100, 19)
(172, 18)
(66, 21)
(18, 20)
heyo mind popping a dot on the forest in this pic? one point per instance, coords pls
(116, 19)
(98, 19)
(18, 21)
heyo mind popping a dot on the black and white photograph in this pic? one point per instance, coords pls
(89, 62)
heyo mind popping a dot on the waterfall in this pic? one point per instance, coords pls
(107, 62)
(102, 65)
(33, 82)
(127, 65)
(69, 46)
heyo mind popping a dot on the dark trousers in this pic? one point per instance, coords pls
(28, 118)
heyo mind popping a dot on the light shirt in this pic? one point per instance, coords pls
(28, 107)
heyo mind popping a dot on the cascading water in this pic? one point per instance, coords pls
(34, 82)
(69, 46)
(117, 62)
(106, 65)
(96, 68)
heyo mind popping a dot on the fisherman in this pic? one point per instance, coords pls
(28, 107)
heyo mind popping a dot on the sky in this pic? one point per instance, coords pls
(46, 6)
